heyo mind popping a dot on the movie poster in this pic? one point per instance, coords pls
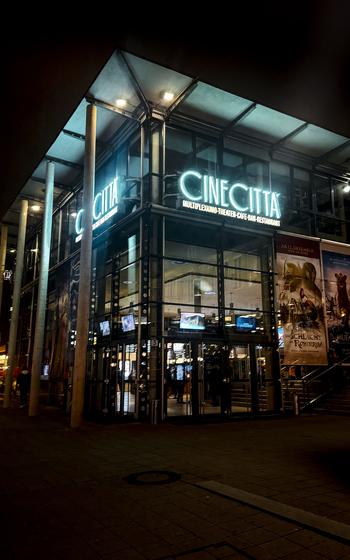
(336, 270)
(300, 305)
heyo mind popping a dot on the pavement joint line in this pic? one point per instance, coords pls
(335, 529)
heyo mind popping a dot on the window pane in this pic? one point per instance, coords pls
(190, 283)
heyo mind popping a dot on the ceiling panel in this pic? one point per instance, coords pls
(68, 148)
(214, 105)
(315, 141)
(154, 80)
(268, 124)
(114, 83)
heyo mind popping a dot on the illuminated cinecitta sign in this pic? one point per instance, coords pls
(218, 196)
(105, 206)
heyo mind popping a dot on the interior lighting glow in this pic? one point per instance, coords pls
(121, 103)
(346, 189)
(36, 208)
(168, 96)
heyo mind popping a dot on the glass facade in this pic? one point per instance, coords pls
(182, 316)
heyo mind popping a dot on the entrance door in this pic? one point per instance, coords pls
(209, 378)
(125, 388)
(178, 379)
(194, 379)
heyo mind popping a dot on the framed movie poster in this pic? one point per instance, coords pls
(300, 303)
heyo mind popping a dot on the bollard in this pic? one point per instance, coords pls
(296, 404)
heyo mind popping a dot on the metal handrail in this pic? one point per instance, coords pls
(306, 382)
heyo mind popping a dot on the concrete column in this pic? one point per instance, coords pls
(42, 292)
(83, 310)
(16, 300)
(3, 248)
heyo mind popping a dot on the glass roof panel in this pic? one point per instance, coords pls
(154, 80)
(214, 105)
(268, 124)
(341, 157)
(114, 83)
(68, 148)
(315, 141)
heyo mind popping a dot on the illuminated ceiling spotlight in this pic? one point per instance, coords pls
(35, 208)
(167, 96)
(121, 103)
(346, 188)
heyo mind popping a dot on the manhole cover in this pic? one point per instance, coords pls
(153, 477)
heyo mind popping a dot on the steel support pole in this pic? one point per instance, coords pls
(16, 300)
(3, 248)
(83, 311)
(42, 292)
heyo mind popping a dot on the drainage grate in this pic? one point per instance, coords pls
(153, 477)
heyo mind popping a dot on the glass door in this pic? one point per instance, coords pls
(240, 373)
(178, 379)
(125, 387)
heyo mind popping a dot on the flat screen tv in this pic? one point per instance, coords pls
(245, 323)
(128, 323)
(192, 321)
(104, 328)
(280, 337)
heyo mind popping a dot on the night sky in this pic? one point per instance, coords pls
(295, 59)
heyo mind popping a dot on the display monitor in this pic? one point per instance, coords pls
(128, 323)
(246, 323)
(280, 337)
(192, 321)
(104, 328)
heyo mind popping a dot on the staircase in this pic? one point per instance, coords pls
(339, 403)
(322, 390)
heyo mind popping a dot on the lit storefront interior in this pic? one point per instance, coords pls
(185, 312)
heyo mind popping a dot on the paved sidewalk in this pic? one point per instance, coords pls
(63, 493)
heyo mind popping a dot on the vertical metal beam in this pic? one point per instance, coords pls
(16, 300)
(3, 247)
(82, 335)
(42, 292)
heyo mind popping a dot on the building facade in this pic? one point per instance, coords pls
(219, 259)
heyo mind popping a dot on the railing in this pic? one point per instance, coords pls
(315, 385)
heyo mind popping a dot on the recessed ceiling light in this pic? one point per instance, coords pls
(121, 103)
(36, 208)
(168, 96)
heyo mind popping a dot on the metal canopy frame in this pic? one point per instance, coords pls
(180, 98)
(239, 118)
(326, 155)
(65, 162)
(292, 134)
(135, 83)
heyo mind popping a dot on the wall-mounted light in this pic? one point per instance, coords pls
(346, 188)
(12, 250)
(36, 208)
